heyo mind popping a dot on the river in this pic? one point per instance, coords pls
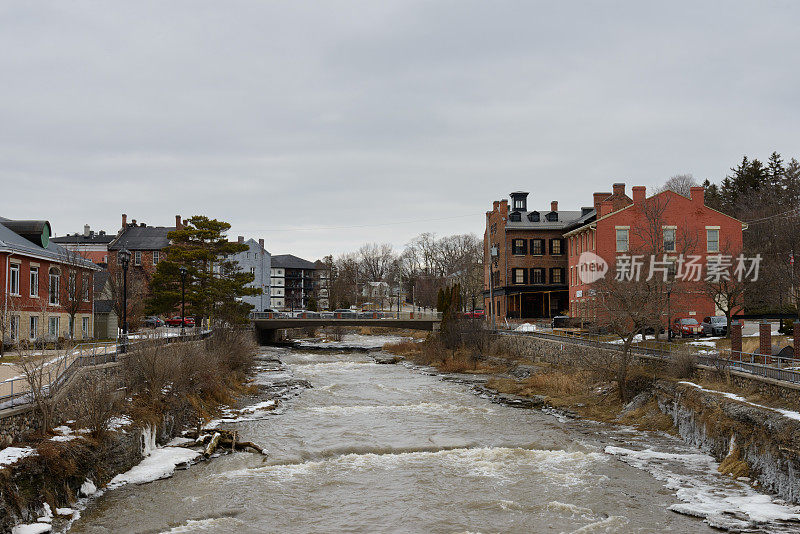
(392, 448)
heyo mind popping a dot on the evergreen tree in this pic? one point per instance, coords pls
(712, 195)
(776, 172)
(214, 284)
(791, 184)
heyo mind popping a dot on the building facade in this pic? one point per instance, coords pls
(257, 261)
(525, 260)
(42, 286)
(145, 243)
(322, 285)
(91, 245)
(292, 282)
(667, 224)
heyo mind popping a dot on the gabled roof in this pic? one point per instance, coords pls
(100, 280)
(142, 238)
(287, 261)
(14, 243)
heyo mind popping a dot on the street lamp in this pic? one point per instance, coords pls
(669, 315)
(183, 300)
(124, 258)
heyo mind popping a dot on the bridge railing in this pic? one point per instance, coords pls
(349, 315)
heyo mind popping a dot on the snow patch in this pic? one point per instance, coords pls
(88, 488)
(525, 327)
(158, 463)
(698, 484)
(11, 455)
(32, 528)
(786, 413)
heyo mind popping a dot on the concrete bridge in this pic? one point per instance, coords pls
(267, 324)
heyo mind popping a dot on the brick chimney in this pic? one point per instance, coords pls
(597, 199)
(698, 195)
(261, 243)
(503, 208)
(619, 189)
(133, 222)
(495, 205)
(178, 223)
(639, 194)
(554, 205)
(124, 221)
(606, 207)
(240, 239)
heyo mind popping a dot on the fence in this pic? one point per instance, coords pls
(54, 373)
(780, 368)
(423, 315)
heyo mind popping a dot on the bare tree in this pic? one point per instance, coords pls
(137, 293)
(39, 372)
(99, 400)
(75, 285)
(9, 322)
(681, 184)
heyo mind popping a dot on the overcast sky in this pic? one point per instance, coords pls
(323, 125)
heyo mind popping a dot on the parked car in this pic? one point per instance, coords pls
(686, 328)
(345, 313)
(326, 315)
(475, 314)
(153, 322)
(715, 326)
(176, 321)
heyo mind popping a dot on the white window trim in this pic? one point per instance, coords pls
(627, 240)
(14, 268)
(33, 290)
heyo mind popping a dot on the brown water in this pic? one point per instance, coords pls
(386, 448)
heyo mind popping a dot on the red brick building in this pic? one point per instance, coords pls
(42, 285)
(667, 223)
(525, 259)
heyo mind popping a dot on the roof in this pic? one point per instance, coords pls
(80, 239)
(16, 244)
(103, 306)
(566, 220)
(287, 261)
(142, 238)
(100, 281)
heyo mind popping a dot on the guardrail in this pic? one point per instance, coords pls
(57, 371)
(349, 315)
(780, 368)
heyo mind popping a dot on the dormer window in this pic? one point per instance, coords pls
(519, 201)
(552, 216)
(533, 216)
(515, 216)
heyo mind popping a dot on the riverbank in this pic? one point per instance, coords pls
(752, 433)
(102, 440)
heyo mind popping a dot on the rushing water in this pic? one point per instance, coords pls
(387, 448)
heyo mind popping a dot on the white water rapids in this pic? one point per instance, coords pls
(388, 448)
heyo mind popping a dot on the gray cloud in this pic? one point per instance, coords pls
(276, 116)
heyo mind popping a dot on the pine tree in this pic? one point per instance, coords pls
(214, 284)
(776, 172)
(791, 183)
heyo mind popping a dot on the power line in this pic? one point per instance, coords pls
(784, 214)
(317, 228)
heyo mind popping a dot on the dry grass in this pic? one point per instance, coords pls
(750, 344)
(734, 465)
(402, 348)
(649, 417)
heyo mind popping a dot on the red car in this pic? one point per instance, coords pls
(686, 328)
(176, 321)
(475, 314)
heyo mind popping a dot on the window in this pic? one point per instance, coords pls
(137, 257)
(34, 289)
(537, 247)
(156, 257)
(537, 276)
(14, 282)
(519, 204)
(55, 281)
(34, 327)
(52, 326)
(15, 328)
(71, 288)
(253, 271)
(556, 275)
(85, 288)
(555, 247)
(622, 240)
(533, 216)
(712, 239)
(519, 276)
(515, 216)
(519, 247)
(669, 239)
(85, 327)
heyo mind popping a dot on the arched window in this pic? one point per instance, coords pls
(55, 283)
